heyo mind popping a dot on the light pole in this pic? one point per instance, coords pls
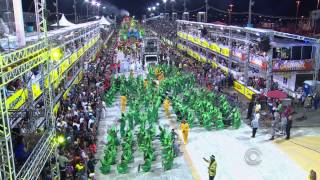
(93, 3)
(153, 9)
(172, 5)
(230, 11)
(104, 10)
(207, 7)
(185, 5)
(165, 7)
(318, 3)
(98, 5)
(57, 12)
(251, 3)
(75, 11)
(298, 2)
(87, 3)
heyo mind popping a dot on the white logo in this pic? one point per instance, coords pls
(253, 156)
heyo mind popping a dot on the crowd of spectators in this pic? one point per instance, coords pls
(78, 118)
(77, 121)
(166, 29)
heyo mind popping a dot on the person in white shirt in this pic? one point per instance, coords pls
(255, 124)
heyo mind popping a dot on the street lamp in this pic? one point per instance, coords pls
(153, 8)
(149, 9)
(75, 10)
(93, 2)
(165, 6)
(230, 11)
(172, 4)
(251, 3)
(207, 8)
(57, 12)
(158, 4)
(298, 2)
(98, 5)
(87, 2)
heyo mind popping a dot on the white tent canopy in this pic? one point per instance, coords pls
(63, 22)
(104, 21)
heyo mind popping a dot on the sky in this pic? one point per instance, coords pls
(139, 7)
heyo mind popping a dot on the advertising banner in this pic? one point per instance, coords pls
(261, 62)
(238, 54)
(243, 89)
(36, 91)
(16, 100)
(239, 87)
(292, 65)
(249, 93)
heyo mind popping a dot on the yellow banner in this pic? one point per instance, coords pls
(56, 108)
(80, 52)
(214, 64)
(184, 35)
(63, 66)
(225, 52)
(196, 56)
(65, 95)
(190, 38)
(73, 58)
(204, 43)
(225, 69)
(189, 52)
(36, 91)
(203, 59)
(16, 100)
(243, 90)
(249, 93)
(197, 41)
(239, 87)
(214, 47)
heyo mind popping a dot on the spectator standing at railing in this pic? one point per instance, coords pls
(63, 162)
(316, 98)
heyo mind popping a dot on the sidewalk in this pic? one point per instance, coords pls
(313, 118)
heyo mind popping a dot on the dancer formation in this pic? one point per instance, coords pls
(138, 131)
